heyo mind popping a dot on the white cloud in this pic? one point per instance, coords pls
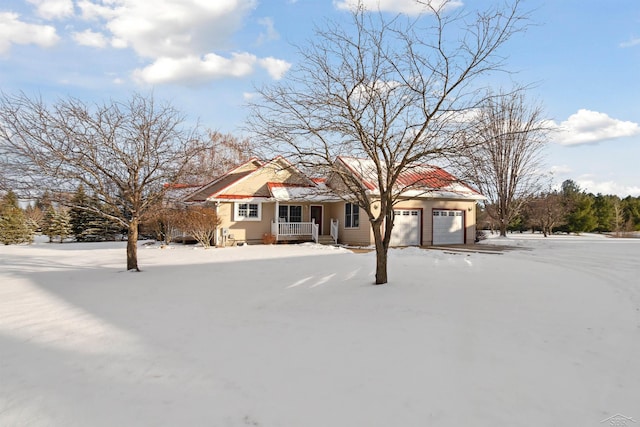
(408, 7)
(91, 11)
(171, 28)
(14, 31)
(194, 69)
(586, 127)
(275, 67)
(182, 39)
(607, 187)
(248, 96)
(90, 38)
(270, 31)
(53, 9)
(631, 42)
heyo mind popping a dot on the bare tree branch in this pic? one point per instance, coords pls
(504, 162)
(122, 152)
(390, 90)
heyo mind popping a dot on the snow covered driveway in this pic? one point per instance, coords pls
(547, 334)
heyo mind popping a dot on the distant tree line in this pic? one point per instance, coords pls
(61, 218)
(570, 210)
(83, 218)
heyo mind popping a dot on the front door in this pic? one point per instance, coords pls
(316, 215)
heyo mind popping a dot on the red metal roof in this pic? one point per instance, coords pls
(416, 177)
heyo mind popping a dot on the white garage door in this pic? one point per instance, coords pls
(406, 228)
(448, 227)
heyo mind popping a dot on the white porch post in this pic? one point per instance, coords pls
(216, 238)
(276, 218)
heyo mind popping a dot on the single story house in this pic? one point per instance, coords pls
(260, 200)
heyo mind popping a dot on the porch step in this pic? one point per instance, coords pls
(326, 240)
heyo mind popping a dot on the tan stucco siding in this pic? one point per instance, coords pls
(224, 181)
(245, 230)
(256, 184)
(468, 207)
(363, 235)
(354, 236)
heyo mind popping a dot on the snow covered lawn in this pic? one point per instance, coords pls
(546, 334)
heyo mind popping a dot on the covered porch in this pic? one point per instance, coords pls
(303, 213)
(287, 231)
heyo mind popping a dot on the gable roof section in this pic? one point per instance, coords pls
(224, 181)
(416, 181)
(257, 182)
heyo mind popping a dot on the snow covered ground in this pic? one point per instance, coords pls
(545, 334)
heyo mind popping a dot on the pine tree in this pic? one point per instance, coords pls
(61, 225)
(14, 228)
(96, 226)
(79, 214)
(605, 212)
(43, 203)
(582, 217)
(631, 208)
(47, 226)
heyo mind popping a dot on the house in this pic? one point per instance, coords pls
(257, 200)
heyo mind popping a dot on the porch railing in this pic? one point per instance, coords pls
(285, 230)
(334, 230)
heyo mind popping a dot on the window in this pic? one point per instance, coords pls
(248, 211)
(351, 215)
(288, 213)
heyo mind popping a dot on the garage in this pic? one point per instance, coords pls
(448, 227)
(406, 227)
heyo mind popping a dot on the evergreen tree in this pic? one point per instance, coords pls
(605, 212)
(97, 226)
(631, 208)
(47, 227)
(43, 203)
(582, 219)
(61, 225)
(79, 214)
(14, 227)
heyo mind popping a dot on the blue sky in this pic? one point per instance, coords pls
(206, 57)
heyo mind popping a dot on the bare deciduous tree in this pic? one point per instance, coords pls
(163, 220)
(123, 152)
(390, 90)
(224, 153)
(546, 210)
(503, 160)
(201, 223)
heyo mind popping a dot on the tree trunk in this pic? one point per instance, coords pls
(381, 267)
(132, 245)
(381, 255)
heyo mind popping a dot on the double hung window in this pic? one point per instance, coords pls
(351, 215)
(248, 211)
(290, 213)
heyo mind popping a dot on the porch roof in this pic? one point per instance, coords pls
(300, 193)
